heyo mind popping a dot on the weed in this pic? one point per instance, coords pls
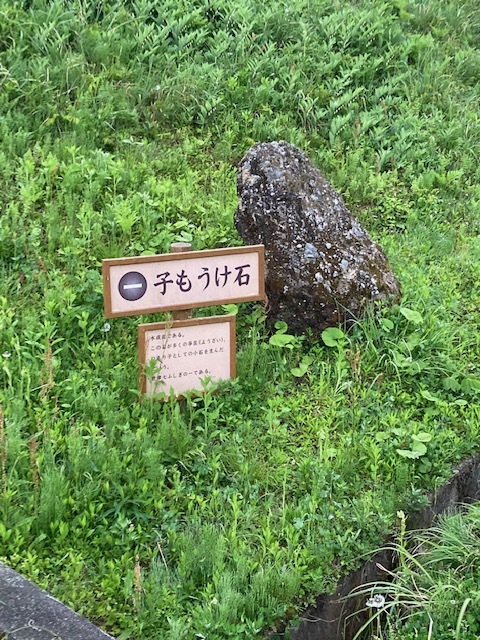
(120, 129)
(434, 590)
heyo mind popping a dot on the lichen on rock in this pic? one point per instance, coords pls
(322, 267)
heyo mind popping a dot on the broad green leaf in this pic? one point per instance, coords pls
(419, 448)
(332, 335)
(230, 308)
(411, 315)
(299, 371)
(429, 396)
(423, 436)
(302, 368)
(413, 340)
(425, 465)
(470, 384)
(408, 453)
(282, 340)
(451, 384)
(281, 326)
(387, 324)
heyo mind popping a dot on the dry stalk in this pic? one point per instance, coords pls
(47, 379)
(3, 451)
(32, 447)
(355, 360)
(137, 585)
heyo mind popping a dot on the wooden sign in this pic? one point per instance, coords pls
(150, 284)
(178, 355)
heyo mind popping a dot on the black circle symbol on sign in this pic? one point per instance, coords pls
(132, 286)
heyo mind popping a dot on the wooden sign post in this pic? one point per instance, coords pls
(179, 354)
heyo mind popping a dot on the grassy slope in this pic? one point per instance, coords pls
(434, 592)
(120, 128)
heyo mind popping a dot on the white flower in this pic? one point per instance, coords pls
(6, 354)
(377, 602)
(106, 327)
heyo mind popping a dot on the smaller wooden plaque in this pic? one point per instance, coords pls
(180, 354)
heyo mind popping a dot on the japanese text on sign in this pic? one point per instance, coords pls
(220, 279)
(179, 356)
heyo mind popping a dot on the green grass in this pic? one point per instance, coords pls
(434, 592)
(120, 125)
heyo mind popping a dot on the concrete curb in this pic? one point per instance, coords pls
(332, 618)
(29, 613)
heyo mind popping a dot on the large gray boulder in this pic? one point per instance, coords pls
(322, 268)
